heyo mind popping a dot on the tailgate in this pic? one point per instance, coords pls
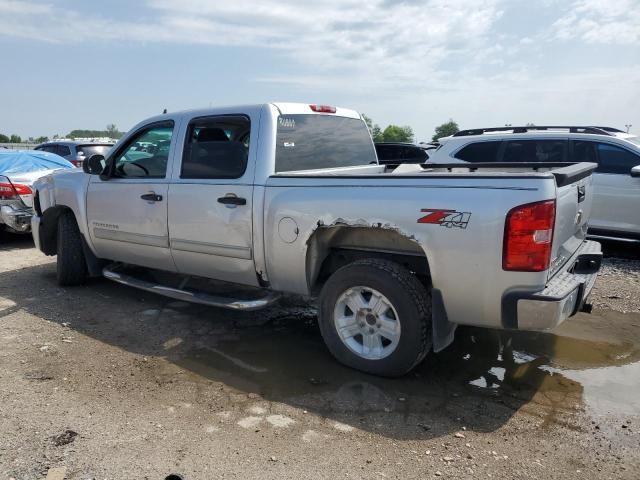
(573, 210)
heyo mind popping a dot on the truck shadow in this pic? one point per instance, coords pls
(478, 383)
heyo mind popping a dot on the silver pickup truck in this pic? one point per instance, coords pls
(232, 206)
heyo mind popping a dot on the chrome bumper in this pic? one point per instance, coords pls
(16, 218)
(564, 296)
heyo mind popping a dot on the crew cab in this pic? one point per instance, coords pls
(231, 207)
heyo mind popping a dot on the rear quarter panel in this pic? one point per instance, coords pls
(465, 263)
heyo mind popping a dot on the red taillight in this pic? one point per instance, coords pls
(528, 236)
(322, 108)
(9, 190)
(77, 163)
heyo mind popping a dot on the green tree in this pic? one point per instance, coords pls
(445, 130)
(112, 133)
(112, 130)
(15, 139)
(4, 138)
(395, 133)
(42, 139)
(374, 129)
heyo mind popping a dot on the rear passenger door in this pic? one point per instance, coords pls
(616, 195)
(210, 200)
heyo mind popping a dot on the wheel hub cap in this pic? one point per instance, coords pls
(367, 323)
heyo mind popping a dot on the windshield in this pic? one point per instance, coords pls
(308, 142)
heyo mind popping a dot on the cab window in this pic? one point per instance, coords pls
(146, 155)
(216, 147)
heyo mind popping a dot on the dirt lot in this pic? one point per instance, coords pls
(107, 382)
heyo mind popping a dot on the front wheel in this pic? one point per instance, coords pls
(375, 316)
(71, 263)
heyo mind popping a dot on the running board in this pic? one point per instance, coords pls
(110, 272)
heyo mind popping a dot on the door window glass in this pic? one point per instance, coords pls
(146, 155)
(63, 150)
(216, 147)
(584, 151)
(614, 159)
(530, 151)
(479, 152)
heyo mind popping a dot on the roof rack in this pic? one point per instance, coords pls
(528, 128)
(611, 129)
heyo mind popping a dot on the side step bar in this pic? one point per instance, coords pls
(111, 272)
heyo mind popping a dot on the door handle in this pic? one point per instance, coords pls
(151, 197)
(232, 200)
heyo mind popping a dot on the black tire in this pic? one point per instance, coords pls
(409, 298)
(71, 264)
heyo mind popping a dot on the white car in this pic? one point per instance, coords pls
(616, 181)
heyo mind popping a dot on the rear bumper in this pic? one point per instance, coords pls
(16, 218)
(564, 295)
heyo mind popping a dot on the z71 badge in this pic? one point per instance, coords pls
(445, 218)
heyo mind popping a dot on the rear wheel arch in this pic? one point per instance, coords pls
(331, 248)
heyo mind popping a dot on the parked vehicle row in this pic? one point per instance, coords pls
(290, 198)
(75, 151)
(616, 180)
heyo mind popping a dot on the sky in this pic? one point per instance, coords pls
(72, 64)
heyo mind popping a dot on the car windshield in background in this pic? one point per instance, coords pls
(89, 150)
(307, 142)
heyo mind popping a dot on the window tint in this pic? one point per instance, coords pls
(415, 154)
(584, 151)
(216, 147)
(145, 155)
(535, 151)
(612, 159)
(307, 142)
(479, 152)
(63, 150)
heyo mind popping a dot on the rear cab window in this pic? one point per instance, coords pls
(89, 150)
(313, 141)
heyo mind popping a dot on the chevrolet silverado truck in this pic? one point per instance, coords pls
(231, 207)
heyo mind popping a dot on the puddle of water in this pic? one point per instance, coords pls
(593, 362)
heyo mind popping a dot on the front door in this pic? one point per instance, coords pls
(210, 208)
(127, 212)
(616, 194)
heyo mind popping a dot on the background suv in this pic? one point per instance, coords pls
(616, 182)
(76, 151)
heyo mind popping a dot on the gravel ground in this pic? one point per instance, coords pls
(106, 382)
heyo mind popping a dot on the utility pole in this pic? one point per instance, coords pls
(628, 126)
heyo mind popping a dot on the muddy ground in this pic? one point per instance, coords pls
(106, 382)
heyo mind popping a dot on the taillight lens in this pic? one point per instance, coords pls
(528, 237)
(322, 108)
(9, 190)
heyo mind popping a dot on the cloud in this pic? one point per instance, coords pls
(601, 22)
(399, 40)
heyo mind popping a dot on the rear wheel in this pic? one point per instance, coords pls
(375, 316)
(71, 263)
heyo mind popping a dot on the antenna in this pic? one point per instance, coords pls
(164, 111)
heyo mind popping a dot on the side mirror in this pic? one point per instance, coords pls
(635, 171)
(94, 165)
